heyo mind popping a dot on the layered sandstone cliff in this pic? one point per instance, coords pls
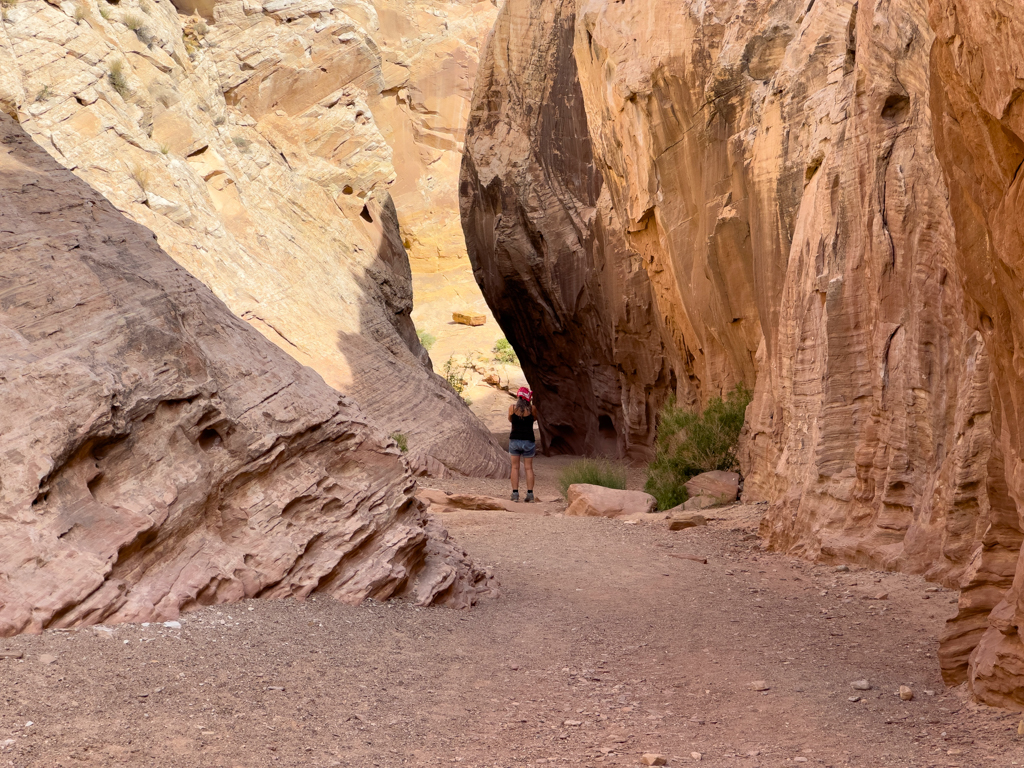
(158, 453)
(787, 186)
(241, 134)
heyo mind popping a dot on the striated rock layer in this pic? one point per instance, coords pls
(158, 453)
(976, 97)
(819, 200)
(547, 248)
(242, 135)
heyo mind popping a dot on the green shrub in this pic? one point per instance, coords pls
(401, 440)
(592, 472)
(503, 352)
(427, 339)
(455, 375)
(690, 443)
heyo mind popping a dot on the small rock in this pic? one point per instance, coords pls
(572, 723)
(682, 522)
(842, 569)
(172, 624)
(651, 758)
(275, 688)
(696, 755)
(11, 654)
(759, 685)
(860, 685)
(929, 693)
(47, 658)
(1020, 728)
(906, 693)
(932, 589)
(854, 699)
(799, 759)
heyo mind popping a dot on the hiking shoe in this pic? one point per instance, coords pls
(515, 495)
(529, 495)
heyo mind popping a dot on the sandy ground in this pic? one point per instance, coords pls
(604, 645)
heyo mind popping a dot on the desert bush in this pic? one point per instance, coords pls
(133, 21)
(401, 440)
(119, 79)
(104, 10)
(690, 443)
(243, 144)
(592, 472)
(503, 352)
(454, 373)
(140, 174)
(45, 93)
(427, 339)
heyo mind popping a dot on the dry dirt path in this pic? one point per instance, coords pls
(603, 646)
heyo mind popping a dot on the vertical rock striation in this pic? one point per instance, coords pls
(817, 199)
(547, 247)
(241, 134)
(158, 453)
(976, 97)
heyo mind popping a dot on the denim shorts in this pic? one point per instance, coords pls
(525, 448)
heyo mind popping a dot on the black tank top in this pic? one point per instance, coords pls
(522, 428)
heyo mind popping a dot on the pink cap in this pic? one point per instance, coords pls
(524, 393)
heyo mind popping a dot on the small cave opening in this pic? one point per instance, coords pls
(606, 427)
(365, 214)
(209, 439)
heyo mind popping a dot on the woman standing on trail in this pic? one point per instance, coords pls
(521, 441)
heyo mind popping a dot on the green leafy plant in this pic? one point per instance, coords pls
(46, 92)
(104, 11)
(592, 472)
(401, 440)
(118, 78)
(427, 339)
(165, 148)
(690, 443)
(454, 373)
(503, 352)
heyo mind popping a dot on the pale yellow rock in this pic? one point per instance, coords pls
(464, 318)
(245, 141)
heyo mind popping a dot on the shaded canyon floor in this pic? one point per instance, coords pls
(604, 645)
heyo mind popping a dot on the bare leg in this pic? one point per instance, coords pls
(515, 473)
(529, 472)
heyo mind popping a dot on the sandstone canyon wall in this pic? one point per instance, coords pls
(429, 53)
(816, 199)
(158, 453)
(242, 135)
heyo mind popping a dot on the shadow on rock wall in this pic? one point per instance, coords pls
(158, 453)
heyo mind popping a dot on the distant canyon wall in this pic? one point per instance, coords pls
(818, 200)
(242, 134)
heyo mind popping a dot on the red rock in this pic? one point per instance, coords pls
(596, 501)
(158, 453)
(722, 487)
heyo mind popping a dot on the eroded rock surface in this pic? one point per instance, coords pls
(816, 199)
(547, 247)
(243, 136)
(157, 453)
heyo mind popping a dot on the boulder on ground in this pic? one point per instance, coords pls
(597, 501)
(465, 318)
(720, 487)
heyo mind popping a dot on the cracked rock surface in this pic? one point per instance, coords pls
(158, 454)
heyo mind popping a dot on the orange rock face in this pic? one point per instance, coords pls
(819, 200)
(158, 453)
(979, 139)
